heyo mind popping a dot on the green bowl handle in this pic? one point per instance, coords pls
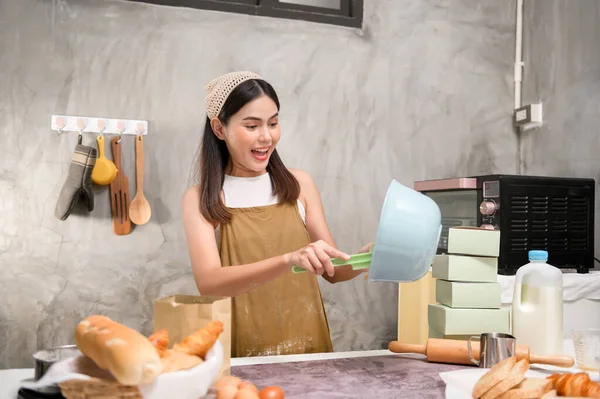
(357, 261)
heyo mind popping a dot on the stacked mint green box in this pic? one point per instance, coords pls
(467, 291)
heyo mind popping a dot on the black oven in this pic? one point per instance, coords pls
(555, 214)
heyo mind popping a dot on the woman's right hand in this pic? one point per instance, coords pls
(316, 258)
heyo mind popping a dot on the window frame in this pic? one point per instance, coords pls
(349, 15)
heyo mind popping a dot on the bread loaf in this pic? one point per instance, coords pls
(128, 355)
(529, 388)
(493, 376)
(516, 375)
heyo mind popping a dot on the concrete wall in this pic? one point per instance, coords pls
(414, 95)
(562, 70)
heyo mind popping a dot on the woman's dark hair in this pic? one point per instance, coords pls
(214, 156)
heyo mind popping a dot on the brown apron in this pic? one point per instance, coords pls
(285, 315)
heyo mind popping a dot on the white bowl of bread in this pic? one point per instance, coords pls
(119, 362)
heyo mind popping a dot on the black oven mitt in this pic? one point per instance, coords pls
(79, 182)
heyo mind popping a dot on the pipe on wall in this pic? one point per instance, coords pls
(518, 76)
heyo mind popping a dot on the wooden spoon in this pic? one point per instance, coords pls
(139, 210)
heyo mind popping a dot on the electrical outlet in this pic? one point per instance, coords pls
(521, 115)
(529, 116)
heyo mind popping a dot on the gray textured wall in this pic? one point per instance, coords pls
(562, 69)
(414, 95)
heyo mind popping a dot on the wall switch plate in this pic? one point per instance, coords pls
(529, 116)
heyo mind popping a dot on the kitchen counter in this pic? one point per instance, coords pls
(360, 374)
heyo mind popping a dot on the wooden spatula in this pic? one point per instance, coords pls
(139, 210)
(119, 194)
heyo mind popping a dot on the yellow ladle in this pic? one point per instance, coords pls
(104, 171)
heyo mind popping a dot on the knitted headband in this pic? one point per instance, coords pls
(220, 88)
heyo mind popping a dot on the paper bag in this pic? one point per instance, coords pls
(181, 315)
(413, 304)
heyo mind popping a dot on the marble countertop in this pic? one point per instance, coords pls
(360, 374)
(371, 374)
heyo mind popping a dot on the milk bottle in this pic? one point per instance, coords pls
(537, 310)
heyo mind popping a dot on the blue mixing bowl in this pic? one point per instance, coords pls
(407, 238)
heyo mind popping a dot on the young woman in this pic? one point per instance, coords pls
(251, 219)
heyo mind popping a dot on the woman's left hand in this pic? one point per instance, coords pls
(345, 272)
(365, 248)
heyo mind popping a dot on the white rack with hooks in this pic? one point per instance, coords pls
(86, 124)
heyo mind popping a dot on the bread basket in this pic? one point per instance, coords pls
(96, 388)
(185, 384)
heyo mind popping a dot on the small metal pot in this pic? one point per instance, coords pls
(47, 357)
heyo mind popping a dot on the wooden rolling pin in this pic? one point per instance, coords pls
(456, 352)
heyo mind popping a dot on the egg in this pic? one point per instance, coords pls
(227, 392)
(272, 392)
(247, 393)
(248, 385)
(229, 380)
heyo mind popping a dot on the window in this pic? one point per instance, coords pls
(336, 12)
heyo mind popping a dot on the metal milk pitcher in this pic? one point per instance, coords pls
(493, 348)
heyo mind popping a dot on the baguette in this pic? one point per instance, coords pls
(160, 341)
(125, 353)
(200, 342)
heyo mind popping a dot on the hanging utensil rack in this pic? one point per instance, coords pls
(87, 124)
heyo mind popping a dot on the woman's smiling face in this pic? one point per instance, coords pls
(251, 136)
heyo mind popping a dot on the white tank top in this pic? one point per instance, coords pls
(247, 192)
